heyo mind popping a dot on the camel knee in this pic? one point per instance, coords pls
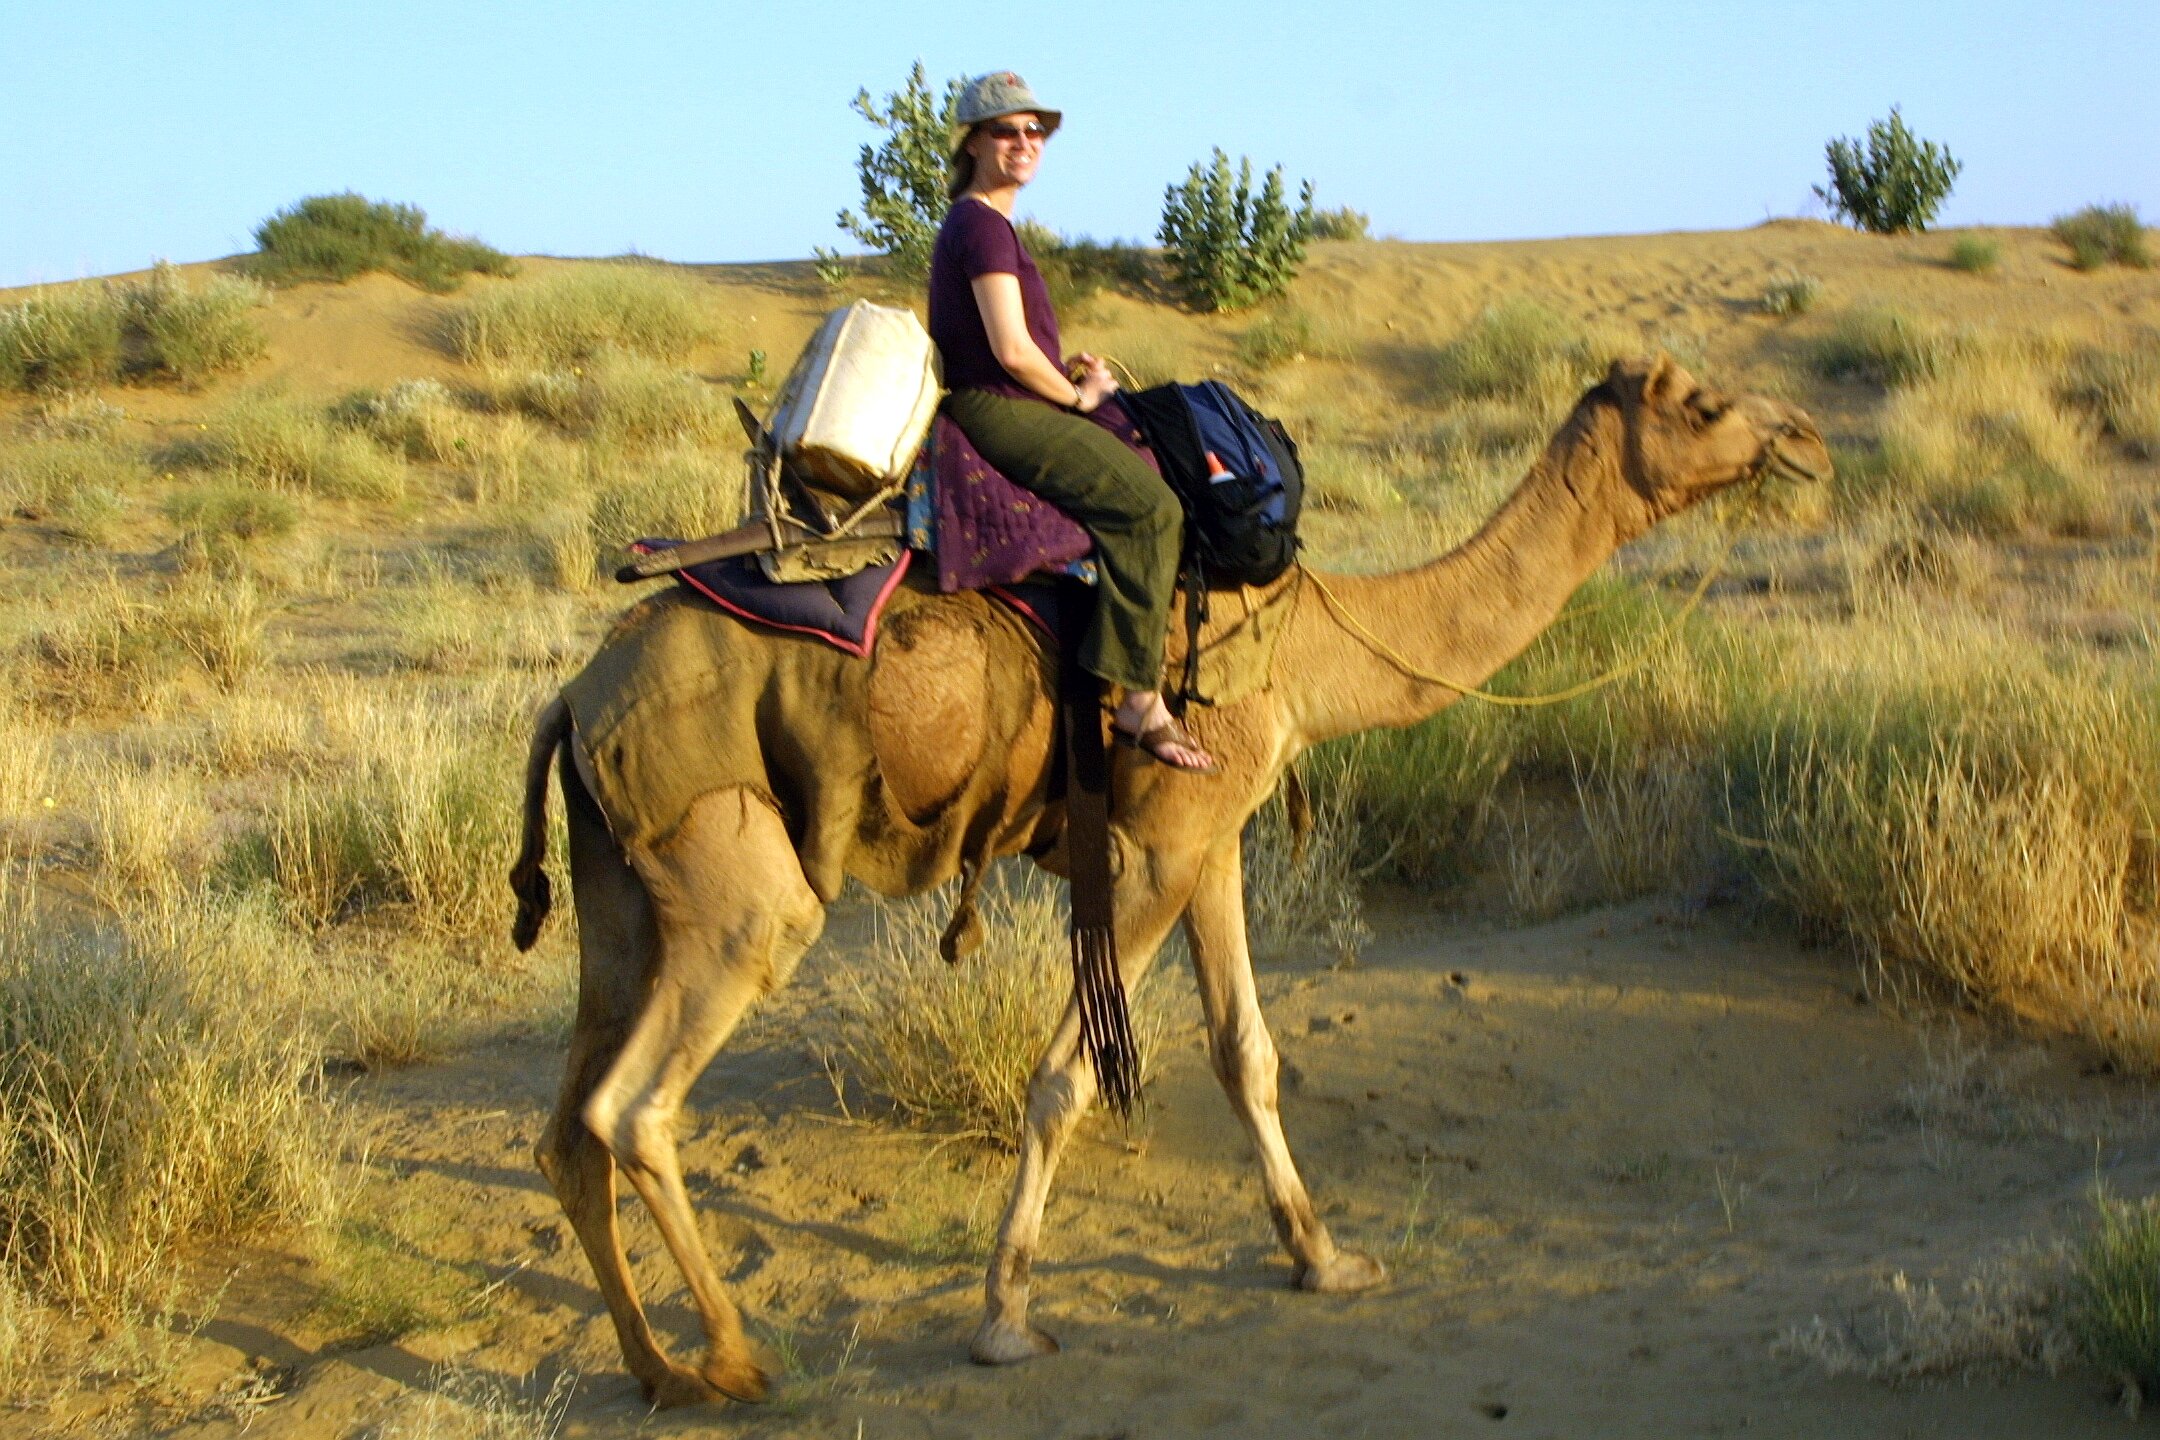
(1245, 1062)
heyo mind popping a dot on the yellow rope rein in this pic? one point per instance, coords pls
(1581, 688)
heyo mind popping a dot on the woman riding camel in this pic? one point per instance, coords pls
(990, 316)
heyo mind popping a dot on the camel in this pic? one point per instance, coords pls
(699, 882)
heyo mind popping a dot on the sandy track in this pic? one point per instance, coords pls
(1610, 1160)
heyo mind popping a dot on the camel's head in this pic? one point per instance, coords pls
(1682, 440)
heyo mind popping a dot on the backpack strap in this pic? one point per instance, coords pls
(1192, 579)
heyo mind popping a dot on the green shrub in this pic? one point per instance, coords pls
(194, 334)
(2104, 234)
(336, 237)
(2115, 1294)
(288, 445)
(1519, 350)
(1276, 338)
(1077, 270)
(1974, 254)
(572, 316)
(61, 339)
(1791, 293)
(1897, 184)
(903, 176)
(1881, 345)
(1342, 223)
(1228, 248)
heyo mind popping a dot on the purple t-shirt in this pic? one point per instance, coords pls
(976, 240)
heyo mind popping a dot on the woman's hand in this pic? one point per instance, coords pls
(1094, 382)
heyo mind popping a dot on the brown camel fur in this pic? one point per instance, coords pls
(701, 878)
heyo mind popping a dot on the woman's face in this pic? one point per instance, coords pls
(1007, 150)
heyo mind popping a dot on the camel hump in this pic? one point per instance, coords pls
(930, 706)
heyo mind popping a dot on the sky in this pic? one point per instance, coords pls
(139, 129)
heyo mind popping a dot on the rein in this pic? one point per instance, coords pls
(1581, 688)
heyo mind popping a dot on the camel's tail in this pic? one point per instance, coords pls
(528, 877)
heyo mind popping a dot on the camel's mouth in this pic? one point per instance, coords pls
(1798, 454)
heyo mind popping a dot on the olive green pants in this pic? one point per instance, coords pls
(1126, 508)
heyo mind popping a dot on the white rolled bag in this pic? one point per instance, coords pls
(857, 406)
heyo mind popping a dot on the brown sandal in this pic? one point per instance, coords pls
(1151, 742)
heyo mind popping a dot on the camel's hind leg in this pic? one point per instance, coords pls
(729, 914)
(616, 945)
(1243, 1054)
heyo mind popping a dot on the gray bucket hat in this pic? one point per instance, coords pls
(1001, 92)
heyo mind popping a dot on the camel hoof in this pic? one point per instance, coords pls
(1000, 1342)
(1346, 1274)
(709, 1385)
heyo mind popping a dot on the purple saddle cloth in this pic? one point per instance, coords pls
(986, 530)
(843, 613)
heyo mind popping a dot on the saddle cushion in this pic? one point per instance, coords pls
(985, 529)
(843, 613)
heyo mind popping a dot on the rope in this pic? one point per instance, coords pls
(1581, 688)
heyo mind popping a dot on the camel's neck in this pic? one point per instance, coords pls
(1466, 614)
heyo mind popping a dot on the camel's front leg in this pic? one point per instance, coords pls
(1243, 1054)
(1063, 1087)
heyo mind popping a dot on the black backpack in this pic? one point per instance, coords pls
(1236, 472)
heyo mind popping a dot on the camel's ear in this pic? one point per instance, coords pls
(1666, 384)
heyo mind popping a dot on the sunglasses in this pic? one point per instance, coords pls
(1029, 131)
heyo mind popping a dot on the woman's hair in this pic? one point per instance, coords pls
(963, 166)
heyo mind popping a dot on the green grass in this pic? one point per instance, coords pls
(62, 339)
(2120, 387)
(338, 237)
(1974, 255)
(1341, 223)
(81, 487)
(1276, 338)
(1791, 293)
(2103, 235)
(222, 521)
(626, 404)
(574, 316)
(286, 444)
(1521, 350)
(2115, 1292)
(1881, 345)
(192, 334)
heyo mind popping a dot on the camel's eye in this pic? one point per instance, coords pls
(1705, 406)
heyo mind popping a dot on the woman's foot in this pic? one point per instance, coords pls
(1144, 723)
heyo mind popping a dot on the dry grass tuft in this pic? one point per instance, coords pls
(61, 339)
(575, 316)
(1305, 885)
(1985, 443)
(2004, 1317)
(625, 403)
(1982, 814)
(81, 487)
(2115, 1289)
(192, 334)
(955, 1045)
(156, 1087)
(289, 445)
(1520, 350)
(459, 1404)
(418, 815)
(2121, 388)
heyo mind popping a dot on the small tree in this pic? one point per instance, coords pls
(1227, 248)
(1896, 185)
(903, 179)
